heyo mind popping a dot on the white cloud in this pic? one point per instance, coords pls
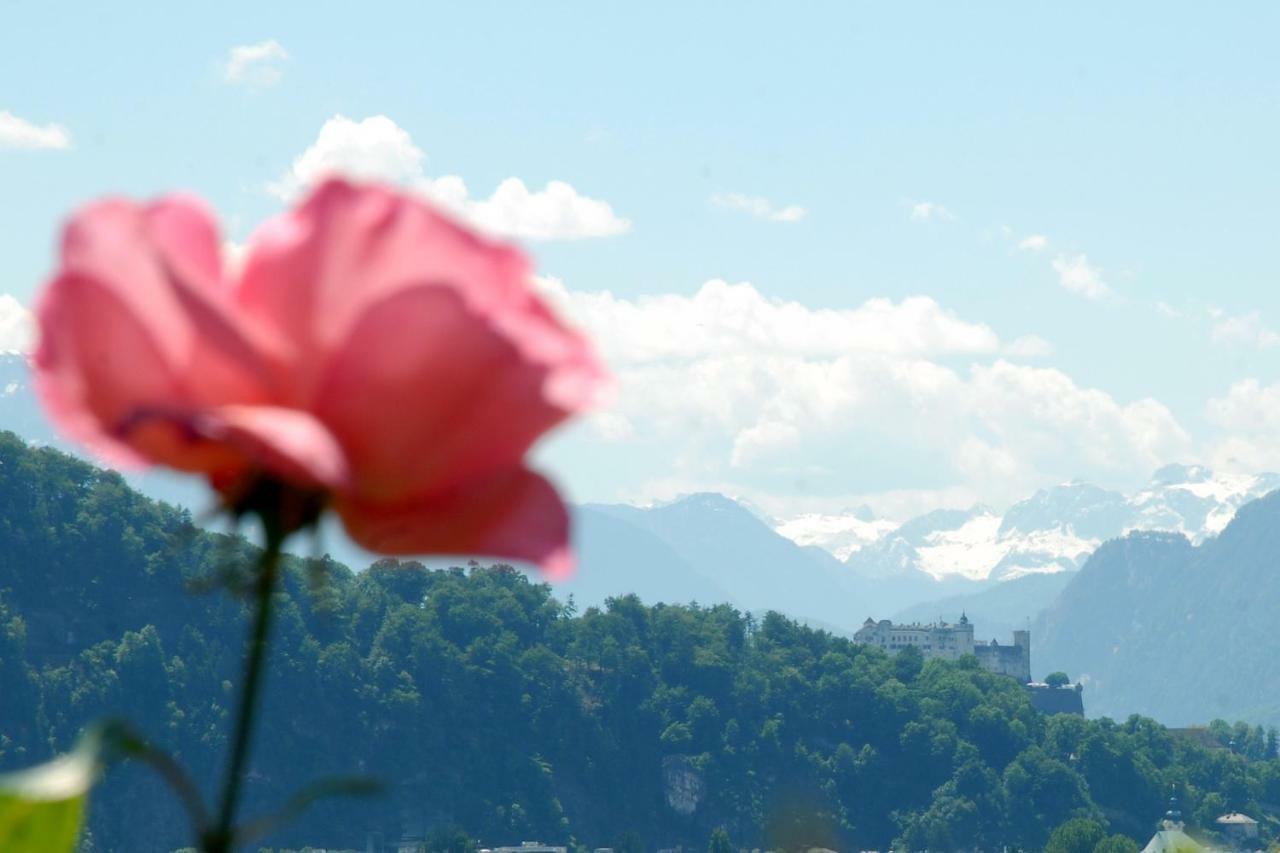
(771, 397)
(1243, 330)
(17, 326)
(376, 148)
(1039, 413)
(1029, 346)
(758, 440)
(17, 132)
(1034, 243)
(1248, 406)
(256, 65)
(1079, 276)
(1167, 310)
(556, 212)
(761, 208)
(1248, 417)
(723, 319)
(929, 211)
(373, 149)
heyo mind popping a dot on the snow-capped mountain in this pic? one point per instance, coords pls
(19, 410)
(1054, 530)
(841, 534)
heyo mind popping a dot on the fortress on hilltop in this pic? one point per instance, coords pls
(951, 641)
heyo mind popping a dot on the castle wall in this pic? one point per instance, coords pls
(1013, 661)
(1056, 700)
(949, 641)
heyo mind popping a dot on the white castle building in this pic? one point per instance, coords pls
(951, 641)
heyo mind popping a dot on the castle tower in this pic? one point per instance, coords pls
(1022, 641)
(964, 635)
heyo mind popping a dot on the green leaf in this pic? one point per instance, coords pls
(43, 807)
(346, 786)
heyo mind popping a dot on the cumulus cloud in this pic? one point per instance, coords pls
(760, 208)
(17, 132)
(1042, 412)
(376, 148)
(1248, 420)
(1242, 330)
(744, 389)
(722, 319)
(17, 326)
(256, 65)
(1079, 276)
(929, 211)
(1029, 346)
(1034, 243)
(1248, 405)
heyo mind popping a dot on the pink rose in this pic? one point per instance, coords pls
(373, 356)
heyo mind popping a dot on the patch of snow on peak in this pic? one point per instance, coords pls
(1053, 530)
(970, 550)
(842, 535)
(1193, 501)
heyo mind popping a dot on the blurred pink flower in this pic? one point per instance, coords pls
(373, 355)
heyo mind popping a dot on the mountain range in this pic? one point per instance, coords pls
(1002, 569)
(1126, 592)
(1054, 530)
(1154, 624)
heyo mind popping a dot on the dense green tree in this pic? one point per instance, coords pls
(1057, 679)
(496, 713)
(719, 842)
(1078, 835)
(1117, 844)
(450, 839)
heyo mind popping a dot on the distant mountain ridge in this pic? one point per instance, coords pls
(723, 551)
(1054, 530)
(831, 570)
(1154, 624)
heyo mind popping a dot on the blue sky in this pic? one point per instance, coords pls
(926, 144)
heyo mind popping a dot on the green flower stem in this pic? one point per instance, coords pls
(135, 747)
(220, 838)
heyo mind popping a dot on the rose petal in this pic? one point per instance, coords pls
(291, 444)
(227, 442)
(146, 256)
(95, 364)
(514, 514)
(136, 318)
(421, 344)
(313, 273)
(425, 394)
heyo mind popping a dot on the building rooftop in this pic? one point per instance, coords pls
(1236, 818)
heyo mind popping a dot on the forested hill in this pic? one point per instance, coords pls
(492, 709)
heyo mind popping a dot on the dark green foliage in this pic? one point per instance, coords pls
(1117, 844)
(1078, 835)
(496, 714)
(449, 840)
(1057, 679)
(719, 842)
